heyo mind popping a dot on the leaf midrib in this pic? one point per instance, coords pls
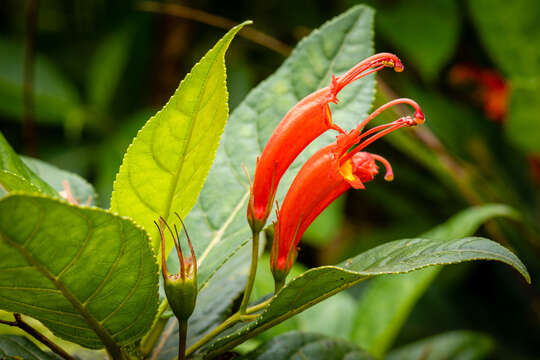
(174, 181)
(100, 331)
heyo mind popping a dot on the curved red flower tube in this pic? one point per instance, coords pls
(324, 177)
(307, 120)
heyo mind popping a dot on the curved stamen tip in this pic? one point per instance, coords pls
(389, 176)
(394, 63)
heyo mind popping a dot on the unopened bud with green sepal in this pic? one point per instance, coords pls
(181, 288)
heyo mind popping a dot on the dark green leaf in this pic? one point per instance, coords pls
(510, 32)
(462, 345)
(379, 317)
(302, 346)
(86, 274)
(166, 165)
(14, 347)
(334, 48)
(404, 24)
(331, 317)
(396, 257)
(12, 163)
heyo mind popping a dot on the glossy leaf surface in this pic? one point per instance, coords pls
(396, 257)
(379, 317)
(87, 275)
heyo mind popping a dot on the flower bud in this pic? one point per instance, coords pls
(180, 289)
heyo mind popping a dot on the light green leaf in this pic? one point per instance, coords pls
(18, 347)
(81, 189)
(27, 179)
(334, 48)
(166, 165)
(523, 126)
(11, 182)
(510, 33)
(107, 66)
(55, 98)
(396, 257)
(462, 345)
(301, 346)
(404, 24)
(379, 317)
(86, 274)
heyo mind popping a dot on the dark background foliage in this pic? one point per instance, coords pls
(103, 67)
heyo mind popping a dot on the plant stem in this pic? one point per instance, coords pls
(182, 335)
(21, 324)
(224, 325)
(242, 312)
(258, 307)
(252, 273)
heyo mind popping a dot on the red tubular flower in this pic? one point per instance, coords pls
(308, 119)
(324, 177)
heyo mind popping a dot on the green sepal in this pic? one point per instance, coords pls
(181, 294)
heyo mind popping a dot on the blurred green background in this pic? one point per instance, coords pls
(102, 68)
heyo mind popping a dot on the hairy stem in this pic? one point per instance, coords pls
(21, 324)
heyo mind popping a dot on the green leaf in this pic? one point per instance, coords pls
(55, 98)
(404, 24)
(301, 346)
(331, 317)
(107, 66)
(18, 347)
(165, 167)
(86, 274)
(26, 179)
(12, 182)
(334, 48)
(462, 345)
(396, 257)
(112, 150)
(522, 126)
(81, 189)
(379, 317)
(510, 32)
